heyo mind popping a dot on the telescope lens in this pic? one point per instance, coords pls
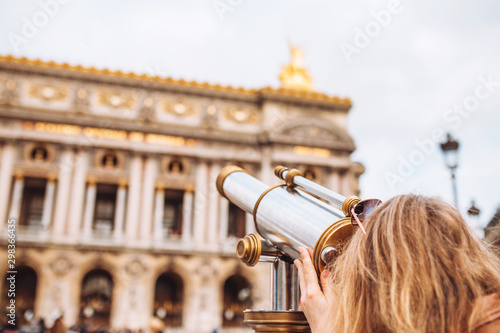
(362, 210)
(240, 248)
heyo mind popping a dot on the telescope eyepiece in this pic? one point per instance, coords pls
(329, 254)
(249, 249)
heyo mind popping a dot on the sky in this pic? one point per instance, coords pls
(414, 70)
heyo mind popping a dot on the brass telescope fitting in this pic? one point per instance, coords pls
(278, 171)
(226, 171)
(349, 204)
(277, 321)
(333, 236)
(290, 175)
(249, 249)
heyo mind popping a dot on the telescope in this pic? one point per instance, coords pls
(298, 213)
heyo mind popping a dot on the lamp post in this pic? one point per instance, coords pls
(450, 152)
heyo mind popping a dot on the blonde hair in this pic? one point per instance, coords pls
(418, 269)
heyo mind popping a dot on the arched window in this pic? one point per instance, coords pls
(237, 298)
(169, 299)
(96, 297)
(24, 286)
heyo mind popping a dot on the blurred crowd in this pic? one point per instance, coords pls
(39, 326)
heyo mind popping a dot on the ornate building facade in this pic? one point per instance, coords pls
(109, 179)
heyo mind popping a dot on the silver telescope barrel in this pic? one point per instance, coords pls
(286, 217)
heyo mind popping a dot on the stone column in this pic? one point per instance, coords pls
(346, 184)
(78, 193)
(63, 192)
(266, 169)
(334, 183)
(159, 209)
(224, 216)
(187, 214)
(120, 210)
(148, 191)
(134, 195)
(6, 166)
(213, 205)
(17, 197)
(200, 202)
(89, 208)
(48, 202)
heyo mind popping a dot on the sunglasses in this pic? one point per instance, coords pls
(362, 210)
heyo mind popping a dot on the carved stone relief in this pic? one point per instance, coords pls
(61, 265)
(117, 99)
(48, 92)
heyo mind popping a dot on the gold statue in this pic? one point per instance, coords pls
(295, 76)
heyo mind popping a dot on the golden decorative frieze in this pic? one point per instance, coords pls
(179, 108)
(109, 134)
(136, 136)
(47, 92)
(117, 100)
(311, 151)
(104, 133)
(241, 115)
(160, 139)
(53, 128)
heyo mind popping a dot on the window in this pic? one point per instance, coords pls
(104, 212)
(96, 297)
(26, 283)
(236, 221)
(172, 213)
(168, 303)
(237, 298)
(32, 202)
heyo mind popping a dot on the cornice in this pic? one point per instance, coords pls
(305, 97)
(295, 96)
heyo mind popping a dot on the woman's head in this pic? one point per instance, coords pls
(418, 268)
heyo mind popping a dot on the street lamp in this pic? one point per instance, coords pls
(450, 152)
(473, 213)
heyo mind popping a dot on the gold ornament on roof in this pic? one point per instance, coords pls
(295, 76)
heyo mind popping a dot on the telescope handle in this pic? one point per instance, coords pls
(295, 178)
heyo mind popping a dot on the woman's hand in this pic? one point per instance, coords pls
(316, 304)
